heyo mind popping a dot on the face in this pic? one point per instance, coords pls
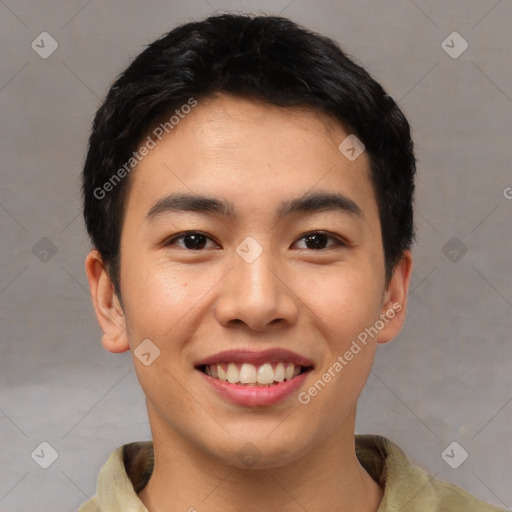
(262, 279)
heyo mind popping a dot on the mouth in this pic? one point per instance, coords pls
(254, 375)
(255, 379)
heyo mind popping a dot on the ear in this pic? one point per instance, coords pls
(107, 307)
(394, 304)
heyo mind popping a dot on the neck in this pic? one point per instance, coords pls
(327, 477)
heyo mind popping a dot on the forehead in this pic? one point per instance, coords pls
(252, 154)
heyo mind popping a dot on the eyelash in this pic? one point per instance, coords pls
(338, 242)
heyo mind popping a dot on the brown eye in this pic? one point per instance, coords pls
(192, 240)
(316, 240)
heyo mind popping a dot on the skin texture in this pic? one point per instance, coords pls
(195, 303)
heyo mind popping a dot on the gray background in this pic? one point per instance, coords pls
(447, 377)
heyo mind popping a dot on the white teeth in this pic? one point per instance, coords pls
(232, 374)
(288, 374)
(249, 374)
(265, 374)
(221, 373)
(279, 372)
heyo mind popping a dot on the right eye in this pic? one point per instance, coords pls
(192, 240)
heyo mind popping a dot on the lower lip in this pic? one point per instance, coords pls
(256, 396)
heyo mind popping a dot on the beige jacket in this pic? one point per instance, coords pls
(407, 488)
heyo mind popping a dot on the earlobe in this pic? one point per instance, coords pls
(395, 299)
(107, 307)
(115, 344)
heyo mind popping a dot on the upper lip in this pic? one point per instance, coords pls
(256, 357)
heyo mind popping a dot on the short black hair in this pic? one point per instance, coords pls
(268, 58)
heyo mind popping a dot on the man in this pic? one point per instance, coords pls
(248, 191)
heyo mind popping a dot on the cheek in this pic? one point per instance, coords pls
(165, 301)
(346, 299)
(346, 304)
(347, 309)
(155, 298)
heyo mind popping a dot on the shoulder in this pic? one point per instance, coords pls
(91, 505)
(124, 474)
(450, 497)
(409, 488)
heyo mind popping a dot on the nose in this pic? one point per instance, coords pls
(256, 294)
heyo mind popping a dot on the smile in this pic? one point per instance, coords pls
(251, 378)
(266, 374)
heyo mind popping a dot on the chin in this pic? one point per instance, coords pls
(259, 448)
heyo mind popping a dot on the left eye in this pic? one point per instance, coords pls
(318, 239)
(196, 241)
(193, 240)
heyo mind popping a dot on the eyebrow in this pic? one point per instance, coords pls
(309, 202)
